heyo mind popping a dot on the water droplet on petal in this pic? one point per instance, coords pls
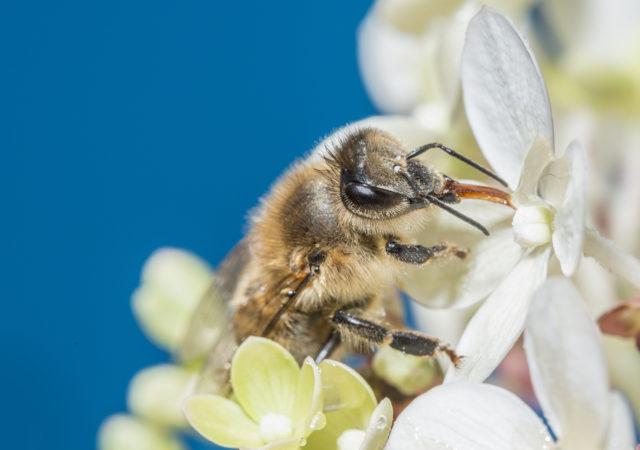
(318, 421)
(381, 422)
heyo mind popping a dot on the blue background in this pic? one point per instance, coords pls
(127, 126)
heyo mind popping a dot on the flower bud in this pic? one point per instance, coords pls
(532, 226)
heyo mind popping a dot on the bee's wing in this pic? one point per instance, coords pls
(214, 375)
(211, 317)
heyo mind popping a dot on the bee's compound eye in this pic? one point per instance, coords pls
(371, 197)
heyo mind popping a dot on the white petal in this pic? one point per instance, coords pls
(553, 181)
(504, 94)
(611, 257)
(621, 433)
(379, 426)
(532, 226)
(455, 283)
(567, 364)
(496, 326)
(537, 158)
(391, 64)
(452, 282)
(409, 56)
(446, 323)
(597, 286)
(468, 415)
(568, 235)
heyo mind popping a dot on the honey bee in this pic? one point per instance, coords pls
(324, 248)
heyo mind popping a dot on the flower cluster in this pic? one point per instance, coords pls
(544, 273)
(277, 405)
(172, 283)
(566, 360)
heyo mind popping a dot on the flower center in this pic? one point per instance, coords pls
(275, 426)
(532, 226)
(350, 439)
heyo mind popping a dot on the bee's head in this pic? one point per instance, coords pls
(380, 181)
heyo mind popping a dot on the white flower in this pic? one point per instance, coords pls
(569, 376)
(508, 109)
(409, 55)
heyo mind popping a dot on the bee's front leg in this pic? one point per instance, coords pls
(418, 254)
(410, 342)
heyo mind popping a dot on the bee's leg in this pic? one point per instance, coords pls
(329, 346)
(418, 254)
(410, 342)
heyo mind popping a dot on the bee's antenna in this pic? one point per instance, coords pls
(420, 150)
(433, 199)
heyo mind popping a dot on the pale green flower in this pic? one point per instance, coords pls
(156, 394)
(409, 374)
(275, 403)
(353, 421)
(172, 283)
(593, 56)
(126, 432)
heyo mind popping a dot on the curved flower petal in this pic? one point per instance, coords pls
(126, 432)
(307, 410)
(567, 364)
(221, 421)
(468, 415)
(451, 282)
(620, 430)
(264, 377)
(504, 94)
(496, 326)
(348, 404)
(613, 258)
(537, 158)
(173, 281)
(379, 426)
(156, 393)
(569, 222)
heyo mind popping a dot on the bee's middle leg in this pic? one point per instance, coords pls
(418, 254)
(410, 342)
(330, 345)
